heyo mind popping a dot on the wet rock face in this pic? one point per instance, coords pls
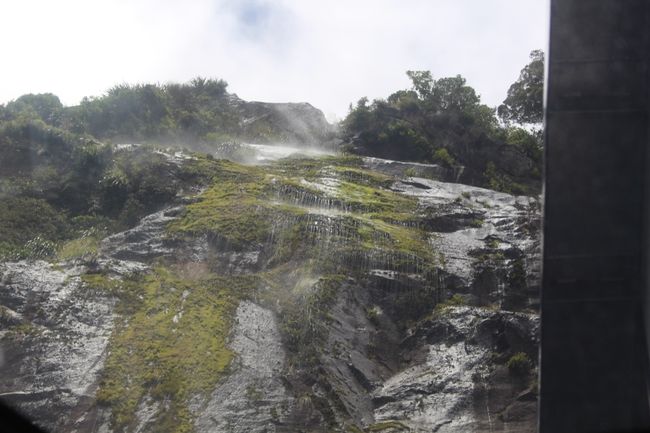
(299, 123)
(381, 361)
(55, 333)
(148, 240)
(361, 352)
(480, 231)
(448, 373)
(404, 169)
(252, 398)
(456, 381)
(143, 242)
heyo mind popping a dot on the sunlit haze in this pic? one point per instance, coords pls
(328, 53)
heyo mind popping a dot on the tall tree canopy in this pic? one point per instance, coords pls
(150, 111)
(46, 106)
(443, 121)
(525, 101)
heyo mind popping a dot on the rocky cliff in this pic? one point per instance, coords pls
(304, 295)
(295, 123)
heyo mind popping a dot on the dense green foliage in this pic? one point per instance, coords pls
(56, 185)
(443, 121)
(29, 227)
(525, 101)
(20, 216)
(149, 112)
(66, 156)
(198, 111)
(45, 106)
(414, 124)
(200, 114)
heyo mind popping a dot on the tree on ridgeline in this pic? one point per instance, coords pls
(525, 101)
(45, 106)
(154, 112)
(443, 121)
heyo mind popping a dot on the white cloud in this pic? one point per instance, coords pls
(329, 53)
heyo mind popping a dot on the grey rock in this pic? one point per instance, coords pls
(252, 398)
(446, 372)
(53, 361)
(449, 390)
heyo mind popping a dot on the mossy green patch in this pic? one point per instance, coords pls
(363, 176)
(200, 167)
(519, 364)
(102, 282)
(368, 199)
(314, 166)
(83, 247)
(236, 208)
(172, 345)
(388, 426)
(246, 205)
(397, 238)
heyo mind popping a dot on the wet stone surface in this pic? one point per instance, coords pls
(54, 338)
(252, 398)
(380, 366)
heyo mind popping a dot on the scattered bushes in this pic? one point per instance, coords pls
(455, 301)
(373, 313)
(29, 228)
(519, 364)
(443, 157)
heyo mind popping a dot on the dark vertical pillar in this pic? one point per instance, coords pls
(593, 348)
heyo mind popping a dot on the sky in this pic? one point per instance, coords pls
(329, 53)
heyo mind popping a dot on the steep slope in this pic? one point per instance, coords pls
(304, 295)
(300, 124)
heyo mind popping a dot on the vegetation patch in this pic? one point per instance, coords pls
(303, 320)
(236, 208)
(397, 238)
(29, 227)
(455, 301)
(172, 344)
(242, 209)
(314, 166)
(443, 121)
(363, 176)
(519, 364)
(83, 247)
(387, 426)
(368, 199)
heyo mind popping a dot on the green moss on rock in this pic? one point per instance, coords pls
(170, 343)
(171, 347)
